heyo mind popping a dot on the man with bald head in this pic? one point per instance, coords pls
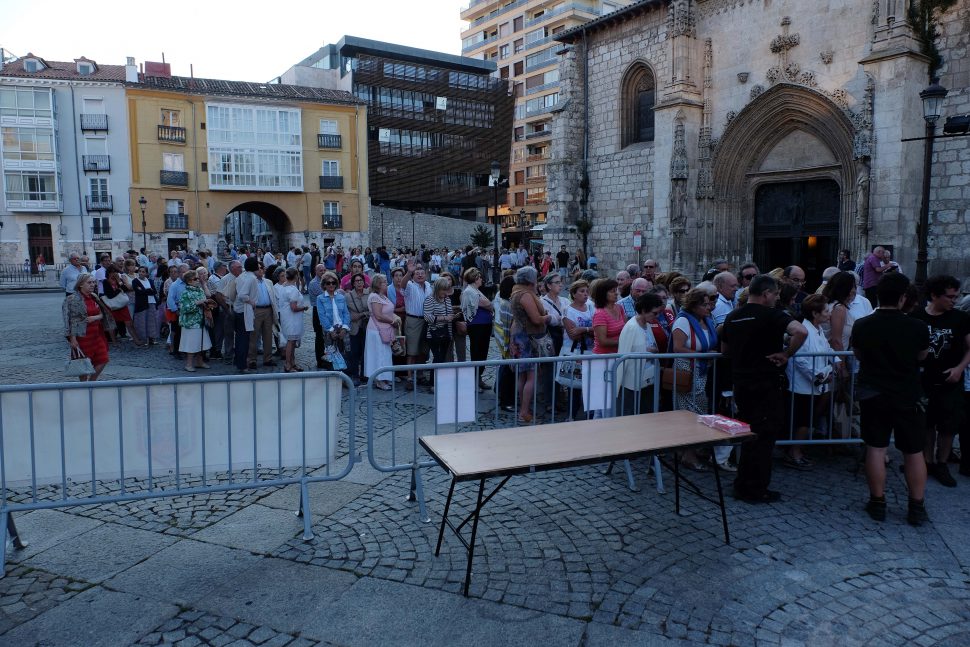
(623, 281)
(633, 270)
(796, 277)
(650, 269)
(638, 288)
(726, 284)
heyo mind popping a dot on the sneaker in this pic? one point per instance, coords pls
(941, 473)
(800, 463)
(728, 466)
(916, 515)
(955, 456)
(876, 508)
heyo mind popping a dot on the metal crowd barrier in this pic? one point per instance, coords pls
(393, 445)
(15, 273)
(90, 443)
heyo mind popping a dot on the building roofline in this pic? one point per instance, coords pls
(624, 13)
(350, 45)
(254, 90)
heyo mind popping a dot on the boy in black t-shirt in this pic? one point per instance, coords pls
(942, 377)
(890, 346)
(753, 337)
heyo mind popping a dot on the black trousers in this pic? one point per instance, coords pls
(761, 404)
(241, 350)
(479, 336)
(317, 338)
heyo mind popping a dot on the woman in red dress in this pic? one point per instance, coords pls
(85, 320)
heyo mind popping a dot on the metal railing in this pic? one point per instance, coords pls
(329, 141)
(94, 122)
(99, 202)
(96, 162)
(174, 178)
(571, 387)
(174, 134)
(331, 182)
(176, 221)
(577, 6)
(333, 221)
(100, 233)
(108, 442)
(29, 273)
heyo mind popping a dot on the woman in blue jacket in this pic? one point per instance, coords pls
(334, 320)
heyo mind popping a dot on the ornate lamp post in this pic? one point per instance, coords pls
(932, 98)
(143, 203)
(493, 178)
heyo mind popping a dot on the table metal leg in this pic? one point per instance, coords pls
(444, 518)
(471, 543)
(720, 497)
(677, 482)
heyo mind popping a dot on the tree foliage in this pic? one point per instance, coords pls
(482, 237)
(922, 16)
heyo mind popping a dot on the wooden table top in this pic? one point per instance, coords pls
(501, 451)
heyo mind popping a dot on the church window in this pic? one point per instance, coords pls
(637, 105)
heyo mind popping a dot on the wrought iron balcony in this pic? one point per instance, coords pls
(171, 134)
(98, 203)
(174, 178)
(538, 133)
(176, 221)
(94, 122)
(96, 162)
(101, 232)
(333, 221)
(329, 141)
(331, 182)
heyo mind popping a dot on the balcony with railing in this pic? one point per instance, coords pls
(94, 123)
(538, 133)
(539, 88)
(100, 232)
(479, 43)
(537, 158)
(174, 178)
(96, 162)
(333, 221)
(173, 134)
(176, 221)
(98, 203)
(329, 141)
(493, 14)
(585, 8)
(538, 43)
(536, 179)
(331, 182)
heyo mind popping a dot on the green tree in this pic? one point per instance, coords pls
(482, 237)
(922, 16)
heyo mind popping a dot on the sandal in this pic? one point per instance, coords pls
(524, 418)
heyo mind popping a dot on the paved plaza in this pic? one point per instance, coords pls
(571, 557)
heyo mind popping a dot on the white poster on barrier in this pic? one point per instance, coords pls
(455, 392)
(597, 391)
(84, 433)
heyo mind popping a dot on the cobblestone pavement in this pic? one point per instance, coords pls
(571, 557)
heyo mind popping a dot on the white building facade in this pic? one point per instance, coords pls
(65, 158)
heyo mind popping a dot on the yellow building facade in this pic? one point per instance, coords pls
(218, 163)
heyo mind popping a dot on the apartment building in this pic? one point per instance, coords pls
(518, 37)
(228, 162)
(435, 121)
(65, 159)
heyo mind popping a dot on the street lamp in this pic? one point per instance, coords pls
(381, 205)
(932, 98)
(143, 203)
(493, 178)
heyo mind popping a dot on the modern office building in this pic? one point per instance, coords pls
(435, 122)
(226, 162)
(518, 37)
(64, 150)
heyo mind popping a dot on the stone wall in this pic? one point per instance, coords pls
(429, 230)
(949, 237)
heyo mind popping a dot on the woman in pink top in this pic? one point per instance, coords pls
(609, 319)
(382, 327)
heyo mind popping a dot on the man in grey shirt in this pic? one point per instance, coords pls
(70, 273)
(246, 285)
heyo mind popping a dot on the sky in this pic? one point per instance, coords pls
(243, 40)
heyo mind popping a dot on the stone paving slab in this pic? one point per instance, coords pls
(376, 612)
(95, 618)
(255, 528)
(600, 635)
(100, 553)
(47, 528)
(325, 498)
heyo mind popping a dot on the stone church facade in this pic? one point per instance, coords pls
(757, 129)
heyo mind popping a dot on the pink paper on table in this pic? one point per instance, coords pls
(725, 424)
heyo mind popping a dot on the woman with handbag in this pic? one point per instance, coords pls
(146, 304)
(438, 314)
(635, 379)
(383, 327)
(694, 332)
(359, 313)
(291, 307)
(458, 349)
(195, 339)
(477, 312)
(528, 336)
(86, 319)
(578, 325)
(335, 322)
(116, 298)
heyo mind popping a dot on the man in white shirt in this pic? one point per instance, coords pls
(245, 288)
(505, 260)
(268, 259)
(226, 288)
(415, 292)
(264, 315)
(101, 272)
(70, 273)
(522, 256)
(727, 285)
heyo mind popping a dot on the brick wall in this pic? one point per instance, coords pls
(430, 230)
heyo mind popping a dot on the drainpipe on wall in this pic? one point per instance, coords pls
(77, 173)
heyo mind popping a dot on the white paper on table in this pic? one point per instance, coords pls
(596, 384)
(455, 393)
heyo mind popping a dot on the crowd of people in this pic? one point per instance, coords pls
(371, 309)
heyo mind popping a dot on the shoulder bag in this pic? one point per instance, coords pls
(78, 364)
(117, 302)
